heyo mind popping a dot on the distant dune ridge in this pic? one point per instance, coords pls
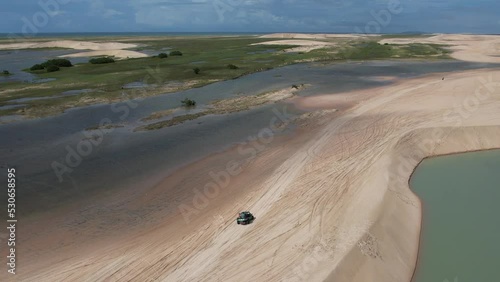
(471, 48)
(305, 45)
(303, 40)
(310, 36)
(98, 49)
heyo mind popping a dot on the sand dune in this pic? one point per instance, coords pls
(309, 36)
(115, 53)
(472, 48)
(334, 204)
(305, 45)
(100, 49)
(304, 41)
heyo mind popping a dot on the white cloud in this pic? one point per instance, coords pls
(56, 13)
(162, 13)
(99, 8)
(206, 13)
(108, 13)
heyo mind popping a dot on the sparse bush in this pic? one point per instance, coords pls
(58, 63)
(52, 68)
(101, 60)
(162, 55)
(232, 67)
(196, 70)
(188, 102)
(37, 67)
(176, 53)
(295, 86)
(6, 72)
(54, 62)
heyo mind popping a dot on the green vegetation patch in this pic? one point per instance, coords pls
(176, 53)
(37, 67)
(223, 58)
(366, 50)
(64, 63)
(52, 68)
(374, 50)
(425, 49)
(188, 102)
(101, 60)
(52, 65)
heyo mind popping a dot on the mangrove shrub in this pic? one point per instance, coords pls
(176, 53)
(101, 60)
(188, 102)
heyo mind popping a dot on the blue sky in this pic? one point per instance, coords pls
(386, 16)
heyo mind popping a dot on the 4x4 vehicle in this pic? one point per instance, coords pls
(245, 218)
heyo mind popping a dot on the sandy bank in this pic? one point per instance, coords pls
(331, 204)
(115, 53)
(429, 119)
(98, 48)
(304, 45)
(388, 251)
(472, 48)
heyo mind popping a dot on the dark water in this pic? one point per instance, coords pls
(8, 107)
(16, 60)
(125, 157)
(461, 228)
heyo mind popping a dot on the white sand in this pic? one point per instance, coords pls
(99, 49)
(306, 42)
(472, 48)
(115, 53)
(305, 45)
